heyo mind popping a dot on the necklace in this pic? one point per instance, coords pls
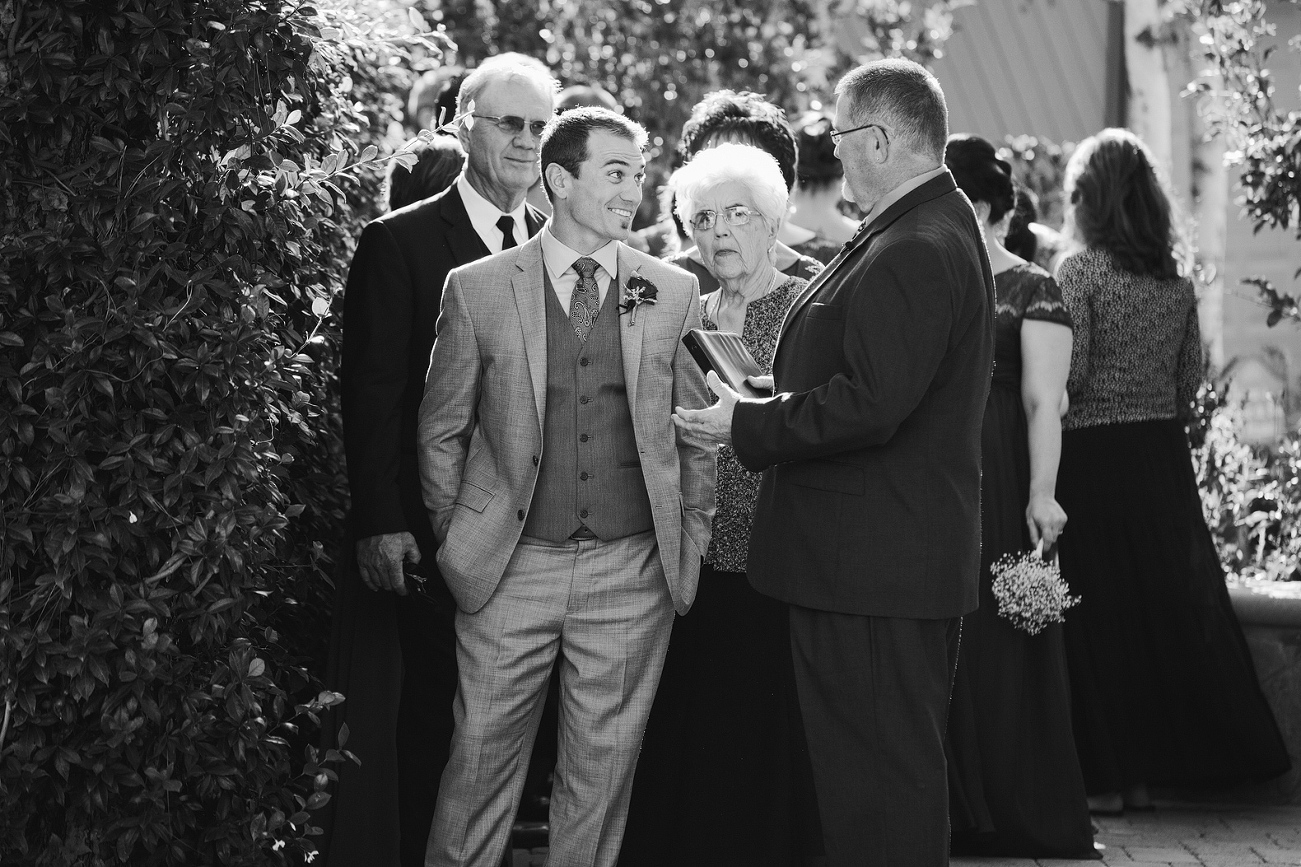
(777, 279)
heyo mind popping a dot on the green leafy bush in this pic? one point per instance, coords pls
(180, 186)
(1251, 496)
(1040, 164)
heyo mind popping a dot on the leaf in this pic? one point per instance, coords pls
(369, 153)
(256, 667)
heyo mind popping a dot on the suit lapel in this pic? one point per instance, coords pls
(630, 333)
(931, 189)
(530, 304)
(464, 243)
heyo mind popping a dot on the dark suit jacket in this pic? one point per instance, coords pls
(870, 502)
(390, 309)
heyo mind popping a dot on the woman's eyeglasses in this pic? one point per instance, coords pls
(512, 125)
(737, 215)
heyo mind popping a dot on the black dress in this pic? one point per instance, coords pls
(1163, 685)
(723, 777)
(1015, 785)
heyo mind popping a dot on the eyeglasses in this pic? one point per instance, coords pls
(838, 134)
(737, 215)
(513, 125)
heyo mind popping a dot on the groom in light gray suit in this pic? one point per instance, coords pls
(571, 515)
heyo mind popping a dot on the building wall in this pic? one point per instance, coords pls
(1055, 69)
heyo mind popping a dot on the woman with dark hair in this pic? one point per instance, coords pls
(1015, 784)
(1020, 239)
(1163, 687)
(438, 163)
(749, 119)
(816, 199)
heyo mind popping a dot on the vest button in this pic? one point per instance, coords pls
(582, 438)
(582, 513)
(583, 476)
(584, 399)
(520, 514)
(584, 361)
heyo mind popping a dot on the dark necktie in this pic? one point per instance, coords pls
(585, 303)
(507, 226)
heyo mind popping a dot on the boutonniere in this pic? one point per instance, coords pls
(636, 292)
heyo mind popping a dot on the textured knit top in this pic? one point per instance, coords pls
(738, 488)
(1137, 349)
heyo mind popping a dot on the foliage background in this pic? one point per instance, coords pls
(659, 57)
(180, 187)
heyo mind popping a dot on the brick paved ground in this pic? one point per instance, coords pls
(1176, 834)
(1186, 835)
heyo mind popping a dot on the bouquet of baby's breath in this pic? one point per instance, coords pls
(1030, 590)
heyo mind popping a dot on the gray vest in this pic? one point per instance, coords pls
(590, 474)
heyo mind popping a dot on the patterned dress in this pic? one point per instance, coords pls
(1163, 687)
(723, 778)
(1015, 783)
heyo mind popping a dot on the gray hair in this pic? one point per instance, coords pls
(748, 165)
(903, 95)
(505, 68)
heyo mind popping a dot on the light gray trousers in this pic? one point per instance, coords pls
(605, 606)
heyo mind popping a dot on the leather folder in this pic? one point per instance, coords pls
(724, 353)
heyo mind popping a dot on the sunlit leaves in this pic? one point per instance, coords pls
(171, 485)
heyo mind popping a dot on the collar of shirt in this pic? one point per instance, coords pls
(558, 258)
(900, 191)
(484, 216)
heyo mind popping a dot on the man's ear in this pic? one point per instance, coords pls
(463, 133)
(558, 178)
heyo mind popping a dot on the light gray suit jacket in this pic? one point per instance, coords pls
(479, 439)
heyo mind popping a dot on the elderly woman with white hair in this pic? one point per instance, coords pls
(723, 777)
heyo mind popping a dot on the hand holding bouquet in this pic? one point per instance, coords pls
(1030, 590)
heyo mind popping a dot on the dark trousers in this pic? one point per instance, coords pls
(426, 629)
(874, 695)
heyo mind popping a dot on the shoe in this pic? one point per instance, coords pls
(1110, 804)
(1136, 798)
(529, 835)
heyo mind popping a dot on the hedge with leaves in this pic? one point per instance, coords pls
(179, 189)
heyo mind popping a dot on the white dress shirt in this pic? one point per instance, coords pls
(484, 216)
(900, 191)
(559, 261)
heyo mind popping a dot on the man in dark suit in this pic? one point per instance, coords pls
(868, 521)
(390, 310)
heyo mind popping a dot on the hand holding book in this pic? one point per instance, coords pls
(724, 353)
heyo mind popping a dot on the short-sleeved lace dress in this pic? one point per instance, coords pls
(1015, 782)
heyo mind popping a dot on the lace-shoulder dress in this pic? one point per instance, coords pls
(1015, 783)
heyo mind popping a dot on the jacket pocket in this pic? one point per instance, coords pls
(473, 497)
